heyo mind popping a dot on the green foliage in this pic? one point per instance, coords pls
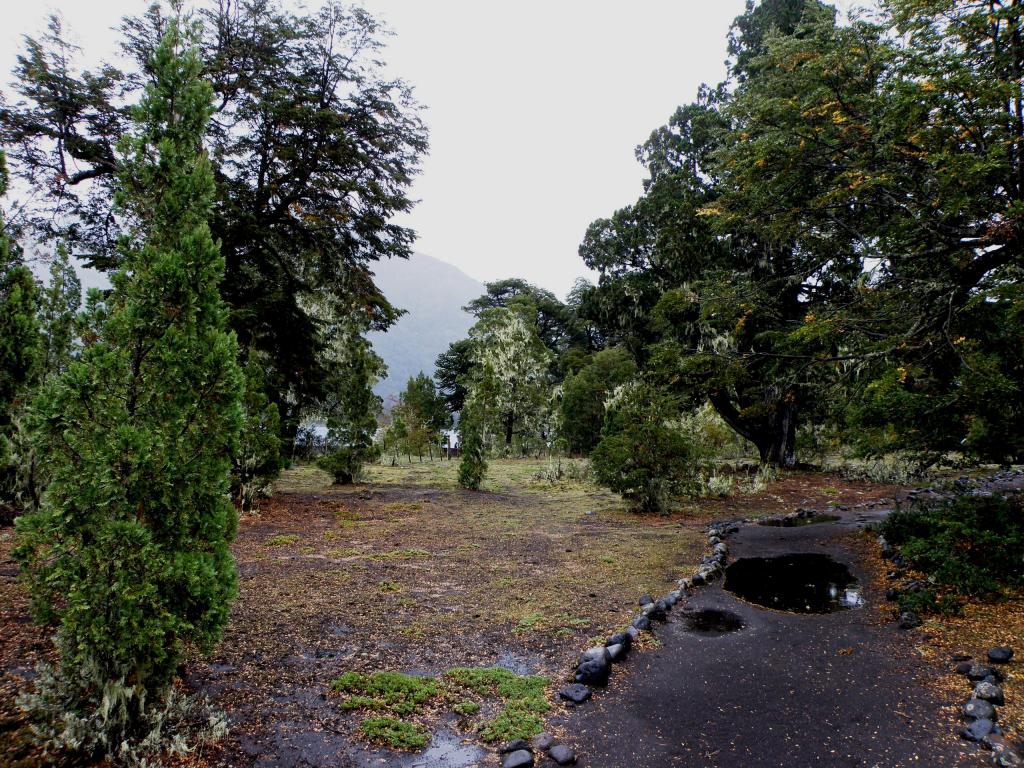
(313, 146)
(418, 418)
(352, 407)
(20, 349)
(972, 545)
(583, 396)
(473, 462)
(395, 733)
(258, 461)
(129, 554)
(641, 455)
(396, 695)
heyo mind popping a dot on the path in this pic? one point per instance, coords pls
(838, 689)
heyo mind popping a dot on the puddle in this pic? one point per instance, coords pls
(446, 750)
(711, 621)
(801, 583)
(793, 522)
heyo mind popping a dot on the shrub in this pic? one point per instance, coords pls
(971, 545)
(640, 456)
(345, 464)
(473, 466)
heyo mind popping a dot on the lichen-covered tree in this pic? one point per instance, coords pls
(129, 555)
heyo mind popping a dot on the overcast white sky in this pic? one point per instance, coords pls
(534, 109)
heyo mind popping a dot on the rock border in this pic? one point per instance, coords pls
(981, 709)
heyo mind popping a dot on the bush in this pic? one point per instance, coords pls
(345, 465)
(473, 466)
(971, 545)
(640, 456)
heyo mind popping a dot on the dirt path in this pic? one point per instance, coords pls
(836, 689)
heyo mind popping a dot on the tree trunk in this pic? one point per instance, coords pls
(509, 422)
(780, 447)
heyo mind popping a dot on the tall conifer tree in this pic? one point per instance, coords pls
(129, 554)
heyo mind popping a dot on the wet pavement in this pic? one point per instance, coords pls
(793, 687)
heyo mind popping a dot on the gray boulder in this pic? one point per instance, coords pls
(1000, 655)
(977, 709)
(521, 758)
(575, 693)
(989, 692)
(977, 731)
(562, 755)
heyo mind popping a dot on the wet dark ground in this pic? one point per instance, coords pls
(842, 688)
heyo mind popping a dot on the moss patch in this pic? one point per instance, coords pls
(399, 698)
(283, 540)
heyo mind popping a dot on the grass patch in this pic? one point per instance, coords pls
(390, 692)
(397, 697)
(283, 540)
(389, 587)
(394, 733)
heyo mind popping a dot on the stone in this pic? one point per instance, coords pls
(976, 709)
(960, 657)
(562, 755)
(521, 758)
(977, 731)
(594, 672)
(658, 611)
(1000, 655)
(597, 653)
(891, 594)
(989, 692)
(979, 672)
(634, 634)
(908, 620)
(642, 623)
(542, 742)
(1003, 753)
(620, 638)
(575, 693)
(646, 600)
(616, 652)
(964, 667)
(513, 746)
(697, 579)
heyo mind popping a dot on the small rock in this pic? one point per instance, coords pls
(1003, 753)
(990, 693)
(542, 742)
(646, 600)
(633, 633)
(891, 594)
(616, 652)
(514, 746)
(658, 611)
(518, 759)
(597, 653)
(620, 638)
(976, 709)
(697, 579)
(908, 620)
(964, 667)
(575, 693)
(960, 657)
(979, 672)
(1000, 655)
(562, 755)
(642, 623)
(593, 672)
(977, 731)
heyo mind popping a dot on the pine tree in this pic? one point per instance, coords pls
(129, 554)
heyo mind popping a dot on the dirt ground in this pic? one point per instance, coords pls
(406, 572)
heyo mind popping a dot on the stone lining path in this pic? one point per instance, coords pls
(837, 689)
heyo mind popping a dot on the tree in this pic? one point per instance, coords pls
(641, 456)
(353, 407)
(510, 374)
(20, 348)
(582, 409)
(452, 372)
(257, 462)
(313, 150)
(129, 554)
(419, 416)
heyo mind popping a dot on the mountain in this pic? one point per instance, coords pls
(433, 294)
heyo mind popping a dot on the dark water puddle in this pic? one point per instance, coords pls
(799, 583)
(793, 522)
(446, 750)
(711, 621)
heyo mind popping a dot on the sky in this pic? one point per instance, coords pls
(534, 109)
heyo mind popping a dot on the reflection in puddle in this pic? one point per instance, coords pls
(711, 621)
(802, 583)
(794, 521)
